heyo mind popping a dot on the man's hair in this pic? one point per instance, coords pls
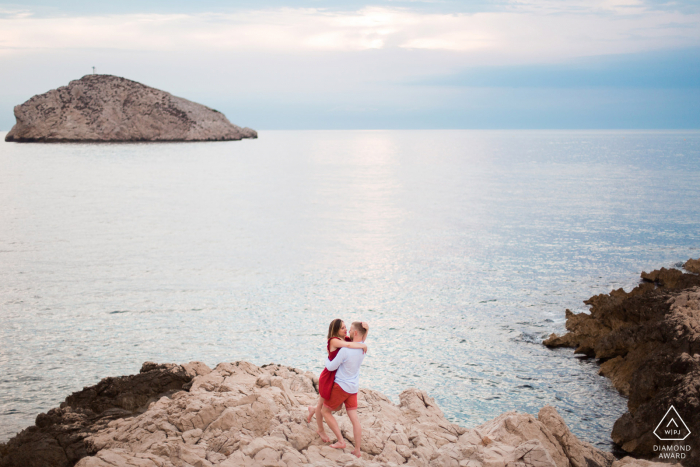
(357, 326)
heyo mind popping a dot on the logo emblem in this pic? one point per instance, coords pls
(672, 427)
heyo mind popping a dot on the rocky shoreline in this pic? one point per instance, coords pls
(239, 414)
(105, 108)
(648, 344)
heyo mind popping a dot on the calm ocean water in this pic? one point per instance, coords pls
(461, 248)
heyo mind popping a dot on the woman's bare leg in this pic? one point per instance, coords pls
(319, 420)
(312, 412)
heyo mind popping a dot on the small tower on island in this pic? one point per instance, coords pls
(93, 70)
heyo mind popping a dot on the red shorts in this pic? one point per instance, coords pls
(338, 396)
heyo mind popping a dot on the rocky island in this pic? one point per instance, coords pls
(239, 414)
(104, 108)
(648, 343)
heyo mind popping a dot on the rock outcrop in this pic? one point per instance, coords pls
(242, 415)
(692, 265)
(101, 108)
(58, 438)
(648, 341)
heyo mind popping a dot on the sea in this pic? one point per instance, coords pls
(462, 249)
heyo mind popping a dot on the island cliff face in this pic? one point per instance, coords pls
(100, 108)
(648, 341)
(239, 414)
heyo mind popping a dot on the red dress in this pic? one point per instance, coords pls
(327, 378)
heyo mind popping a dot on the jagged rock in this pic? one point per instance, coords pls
(240, 414)
(580, 453)
(110, 108)
(648, 341)
(692, 265)
(58, 438)
(672, 279)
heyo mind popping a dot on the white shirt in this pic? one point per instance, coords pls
(347, 362)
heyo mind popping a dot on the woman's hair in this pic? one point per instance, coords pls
(334, 328)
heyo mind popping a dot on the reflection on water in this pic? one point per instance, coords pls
(461, 248)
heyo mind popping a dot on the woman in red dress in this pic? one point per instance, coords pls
(337, 338)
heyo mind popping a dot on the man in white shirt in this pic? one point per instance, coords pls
(347, 384)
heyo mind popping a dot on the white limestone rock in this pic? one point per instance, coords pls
(240, 414)
(109, 108)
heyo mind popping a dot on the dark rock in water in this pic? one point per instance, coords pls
(58, 438)
(649, 342)
(671, 279)
(108, 108)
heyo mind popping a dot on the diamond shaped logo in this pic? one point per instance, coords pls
(672, 427)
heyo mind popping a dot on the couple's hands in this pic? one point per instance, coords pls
(364, 347)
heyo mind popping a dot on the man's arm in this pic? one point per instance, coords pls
(335, 363)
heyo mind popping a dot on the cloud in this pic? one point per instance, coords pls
(379, 67)
(526, 31)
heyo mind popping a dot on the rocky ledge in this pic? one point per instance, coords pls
(103, 108)
(648, 341)
(242, 415)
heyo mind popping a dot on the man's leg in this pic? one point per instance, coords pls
(356, 431)
(333, 425)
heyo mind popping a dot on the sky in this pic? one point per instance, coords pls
(385, 64)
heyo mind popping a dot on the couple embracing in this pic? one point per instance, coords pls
(340, 381)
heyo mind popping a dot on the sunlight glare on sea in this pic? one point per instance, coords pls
(461, 248)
